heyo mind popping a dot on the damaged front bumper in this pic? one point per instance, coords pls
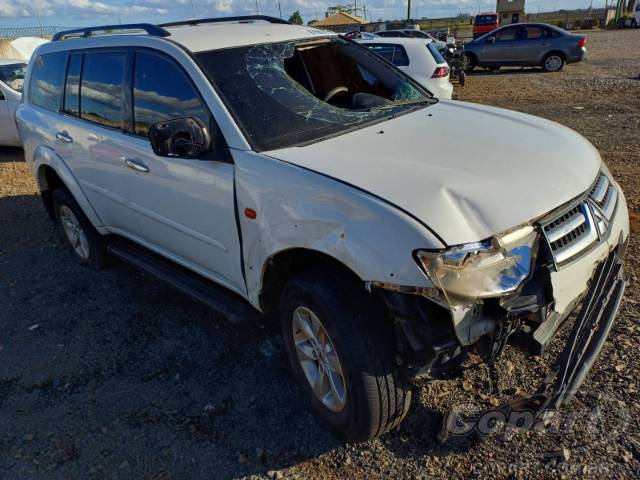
(434, 336)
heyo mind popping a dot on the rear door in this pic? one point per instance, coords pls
(182, 208)
(531, 49)
(92, 127)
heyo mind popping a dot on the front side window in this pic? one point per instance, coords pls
(395, 54)
(291, 93)
(102, 90)
(47, 75)
(508, 34)
(162, 91)
(13, 75)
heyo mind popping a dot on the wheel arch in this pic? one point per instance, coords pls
(284, 264)
(551, 52)
(51, 172)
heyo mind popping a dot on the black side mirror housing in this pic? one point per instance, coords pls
(180, 137)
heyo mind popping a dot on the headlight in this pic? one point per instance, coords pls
(484, 269)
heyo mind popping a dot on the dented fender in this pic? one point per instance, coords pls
(299, 208)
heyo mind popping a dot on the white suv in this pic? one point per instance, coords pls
(309, 177)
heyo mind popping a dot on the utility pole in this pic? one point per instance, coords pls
(279, 10)
(408, 9)
(257, 11)
(193, 11)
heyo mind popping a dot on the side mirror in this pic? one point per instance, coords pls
(491, 40)
(180, 137)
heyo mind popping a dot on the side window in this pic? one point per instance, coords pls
(535, 33)
(47, 75)
(102, 90)
(72, 85)
(395, 54)
(158, 97)
(507, 35)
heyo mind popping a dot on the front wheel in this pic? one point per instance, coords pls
(553, 62)
(342, 353)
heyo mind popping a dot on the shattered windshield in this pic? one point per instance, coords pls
(13, 75)
(291, 93)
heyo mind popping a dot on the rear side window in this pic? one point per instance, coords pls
(72, 86)
(102, 91)
(47, 75)
(535, 33)
(395, 54)
(162, 91)
(437, 56)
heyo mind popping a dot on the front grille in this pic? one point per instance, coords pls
(574, 231)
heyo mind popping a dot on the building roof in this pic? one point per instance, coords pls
(338, 19)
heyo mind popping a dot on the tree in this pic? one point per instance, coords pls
(339, 8)
(311, 22)
(296, 18)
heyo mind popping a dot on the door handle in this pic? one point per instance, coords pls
(64, 137)
(135, 165)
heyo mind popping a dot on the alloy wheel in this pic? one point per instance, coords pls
(318, 359)
(553, 63)
(74, 232)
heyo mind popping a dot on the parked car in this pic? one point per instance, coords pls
(485, 23)
(527, 44)
(632, 19)
(354, 35)
(280, 168)
(11, 81)
(411, 33)
(418, 58)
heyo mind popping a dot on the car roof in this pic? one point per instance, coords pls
(395, 40)
(12, 61)
(214, 36)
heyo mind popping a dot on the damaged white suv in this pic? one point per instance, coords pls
(309, 177)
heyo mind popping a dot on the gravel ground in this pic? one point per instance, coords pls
(113, 375)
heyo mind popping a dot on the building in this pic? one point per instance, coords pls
(510, 11)
(341, 22)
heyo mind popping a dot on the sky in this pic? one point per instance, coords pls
(24, 13)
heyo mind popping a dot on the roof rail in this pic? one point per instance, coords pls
(152, 30)
(240, 19)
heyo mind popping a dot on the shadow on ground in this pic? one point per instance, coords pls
(114, 373)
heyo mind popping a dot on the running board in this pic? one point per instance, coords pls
(224, 302)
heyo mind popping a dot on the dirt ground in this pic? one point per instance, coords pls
(113, 375)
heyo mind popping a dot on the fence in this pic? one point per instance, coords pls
(17, 32)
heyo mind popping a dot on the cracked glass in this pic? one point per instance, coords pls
(293, 93)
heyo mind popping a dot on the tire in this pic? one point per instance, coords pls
(87, 245)
(553, 62)
(375, 397)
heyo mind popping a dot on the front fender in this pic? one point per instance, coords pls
(300, 209)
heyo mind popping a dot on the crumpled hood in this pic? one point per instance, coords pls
(465, 170)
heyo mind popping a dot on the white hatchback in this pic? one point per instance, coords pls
(419, 58)
(11, 79)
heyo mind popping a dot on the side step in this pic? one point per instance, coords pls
(222, 301)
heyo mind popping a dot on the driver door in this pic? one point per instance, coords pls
(502, 51)
(182, 208)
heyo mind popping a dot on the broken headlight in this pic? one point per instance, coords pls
(484, 269)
